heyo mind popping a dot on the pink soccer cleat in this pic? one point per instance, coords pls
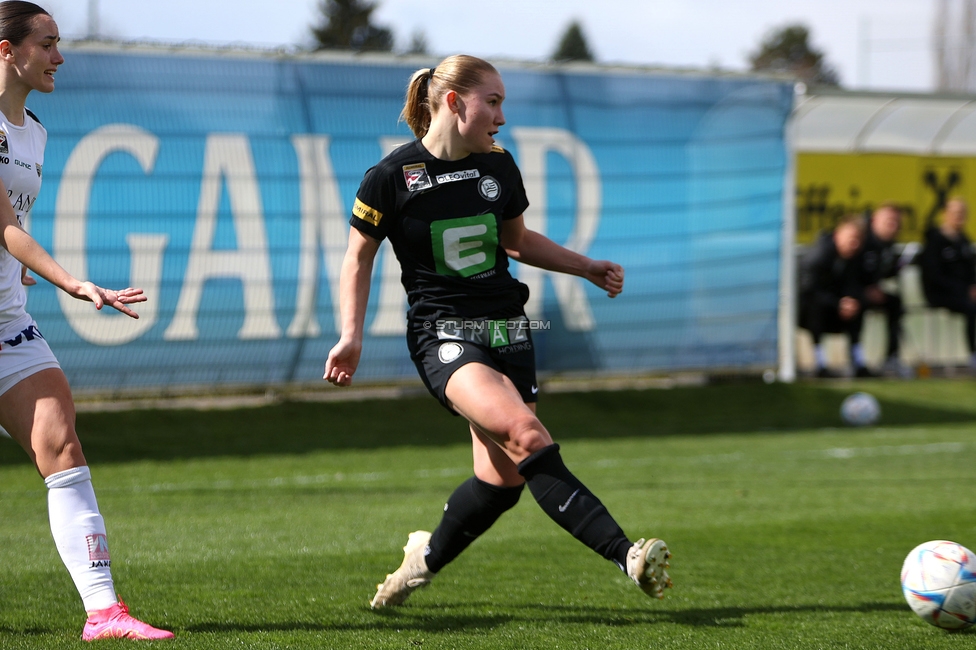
(115, 623)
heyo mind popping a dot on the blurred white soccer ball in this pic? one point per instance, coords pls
(860, 409)
(938, 579)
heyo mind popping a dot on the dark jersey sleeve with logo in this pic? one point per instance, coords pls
(444, 220)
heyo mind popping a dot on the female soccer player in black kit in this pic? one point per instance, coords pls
(451, 203)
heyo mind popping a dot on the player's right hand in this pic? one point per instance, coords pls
(342, 363)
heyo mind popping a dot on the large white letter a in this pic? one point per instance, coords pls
(229, 156)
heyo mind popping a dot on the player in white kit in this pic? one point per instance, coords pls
(36, 407)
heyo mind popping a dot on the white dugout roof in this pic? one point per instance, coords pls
(928, 125)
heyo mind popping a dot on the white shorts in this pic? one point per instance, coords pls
(22, 356)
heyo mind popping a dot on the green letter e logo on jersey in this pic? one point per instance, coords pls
(466, 246)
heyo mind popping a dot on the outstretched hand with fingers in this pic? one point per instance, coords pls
(117, 299)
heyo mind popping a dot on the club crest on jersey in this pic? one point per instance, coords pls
(489, 188)
(4, 148)
(416, 177)
(448, 352)
(451, 177)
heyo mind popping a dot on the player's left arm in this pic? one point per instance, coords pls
(29, 253)
(535, 249)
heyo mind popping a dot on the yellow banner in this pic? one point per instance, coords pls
(831, 185)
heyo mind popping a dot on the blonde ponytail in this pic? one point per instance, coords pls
(416, 107)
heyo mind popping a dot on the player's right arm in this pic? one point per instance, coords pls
(357, 269)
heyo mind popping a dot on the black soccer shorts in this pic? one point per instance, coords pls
(504, 345)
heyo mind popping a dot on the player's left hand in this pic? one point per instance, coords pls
(26, 278)
(119, 299)
(606, 275)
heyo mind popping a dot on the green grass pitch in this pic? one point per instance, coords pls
(268, 528)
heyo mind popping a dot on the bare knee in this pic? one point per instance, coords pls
(55, 451)
(39, 414)
(525, 437)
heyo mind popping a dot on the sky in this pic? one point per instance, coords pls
(873, 44)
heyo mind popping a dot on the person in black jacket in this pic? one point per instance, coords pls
(880, 261)
(831, 293)
(949, 269)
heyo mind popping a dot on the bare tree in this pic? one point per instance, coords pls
(954, 45)
(418, 43)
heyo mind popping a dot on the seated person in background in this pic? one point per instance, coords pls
(831, 293)
(949, 269)
(880, 261)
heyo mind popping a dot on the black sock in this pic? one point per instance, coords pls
(471, 510)
(571, 505)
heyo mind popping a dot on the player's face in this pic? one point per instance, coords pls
(480, 114)
(885, 224)
(37, 57)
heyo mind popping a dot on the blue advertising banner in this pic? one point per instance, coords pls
(222, 185)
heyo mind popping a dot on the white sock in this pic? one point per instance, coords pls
(857, 354)
(79, 534)
(820, 356)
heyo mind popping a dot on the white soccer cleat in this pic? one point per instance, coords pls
(412, 574)
(646, 565)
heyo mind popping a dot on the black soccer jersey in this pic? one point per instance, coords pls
(444, 220)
